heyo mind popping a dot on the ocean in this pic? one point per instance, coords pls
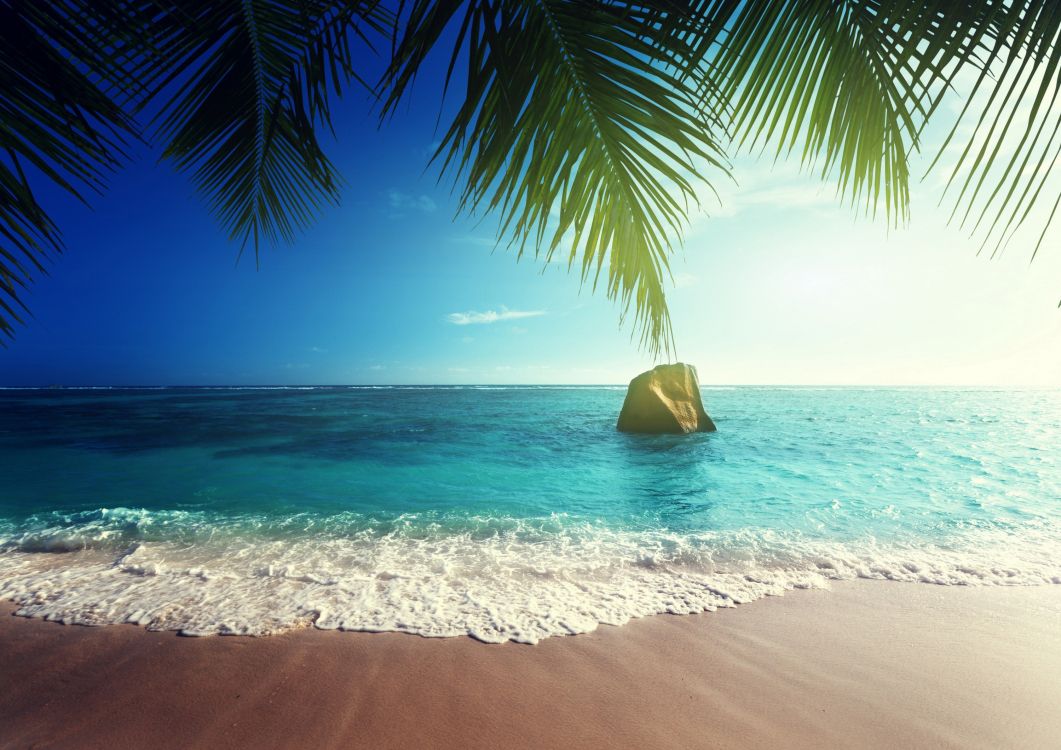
(506, 513)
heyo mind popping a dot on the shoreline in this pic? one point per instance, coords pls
(866, 664)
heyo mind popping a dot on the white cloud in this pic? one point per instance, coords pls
(490, 316)
(400, 201)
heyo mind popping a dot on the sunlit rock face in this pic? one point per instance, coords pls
(666, 399)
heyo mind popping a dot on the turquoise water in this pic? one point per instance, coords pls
(506, 513)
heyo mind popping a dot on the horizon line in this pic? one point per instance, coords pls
(161, 386)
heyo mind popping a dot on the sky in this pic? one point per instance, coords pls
(777, 283)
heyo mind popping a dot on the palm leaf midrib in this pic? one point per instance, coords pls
(251, 28)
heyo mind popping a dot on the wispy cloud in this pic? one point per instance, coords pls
(684, 280)
(781, 185)
(400, 201)
(473, 317)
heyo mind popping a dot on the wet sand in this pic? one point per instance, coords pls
(866, 665)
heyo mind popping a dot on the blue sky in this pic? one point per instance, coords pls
(779, 284)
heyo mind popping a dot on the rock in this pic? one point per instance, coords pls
(665, 399)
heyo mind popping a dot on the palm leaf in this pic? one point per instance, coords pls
(1004, 168)
(59, 121)
(242, 88)
(848, 84)
(578, 124)
(851, 84)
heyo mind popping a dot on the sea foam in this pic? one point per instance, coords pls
(493, 579)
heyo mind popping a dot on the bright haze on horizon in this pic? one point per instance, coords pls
(781, 284)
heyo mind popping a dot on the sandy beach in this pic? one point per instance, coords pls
(868, 664)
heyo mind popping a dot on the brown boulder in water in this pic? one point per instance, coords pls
(666, 399)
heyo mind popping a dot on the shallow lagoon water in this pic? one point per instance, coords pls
(507, 513)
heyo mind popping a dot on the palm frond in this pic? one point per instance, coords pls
(59, 121)
(244, 86)
(1011, 122)
(849, 85)
(578, 123)
(846, 84)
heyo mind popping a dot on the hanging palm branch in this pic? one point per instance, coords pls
(849, 85)
(579, 128)
(243, 86)
(59, 121)
(241, 89)
(1004, 167)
